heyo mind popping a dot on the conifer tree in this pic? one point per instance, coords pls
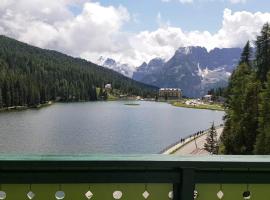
(233, 137)
(211, 144)
(263, 53)
(1, 98)
(247, 120)
(105, 94)
(263, 138)
(250, 116)
(246, 54)
(101, 93)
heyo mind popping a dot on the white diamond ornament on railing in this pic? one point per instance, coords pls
(145, 194)
(170, 195)
(195, 194)
(30, 195)
(60, 195)
(117, 194)
(3, 195)
(220, 194)
(89, 194)
(247, 195)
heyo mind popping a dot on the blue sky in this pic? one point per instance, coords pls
(200, 15)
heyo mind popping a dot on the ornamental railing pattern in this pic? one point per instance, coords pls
(134, 177)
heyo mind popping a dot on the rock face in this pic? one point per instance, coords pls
(145, 71)
(124, 69)
(193, 69)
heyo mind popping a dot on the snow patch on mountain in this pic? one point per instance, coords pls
(185, 50)
(125, 69)
(212, 76)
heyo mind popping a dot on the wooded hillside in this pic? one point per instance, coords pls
(30, 76)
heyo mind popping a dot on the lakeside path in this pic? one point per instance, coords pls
(190, 148)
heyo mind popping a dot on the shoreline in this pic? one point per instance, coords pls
(201, 107)
(23, 108)
(177, 146)
(172, 103)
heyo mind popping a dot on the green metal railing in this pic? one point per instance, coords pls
(153, 177)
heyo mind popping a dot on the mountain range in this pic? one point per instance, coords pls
(193, 69)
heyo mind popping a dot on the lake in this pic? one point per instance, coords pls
(100, 127)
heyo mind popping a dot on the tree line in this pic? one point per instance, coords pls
(30, 76)
(247, 119)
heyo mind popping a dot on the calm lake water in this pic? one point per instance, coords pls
(100, 127)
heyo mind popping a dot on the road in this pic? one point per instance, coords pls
(191, 148)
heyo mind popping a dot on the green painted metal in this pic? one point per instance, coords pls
(233, 176)
(232, 191)
(86, 176)
(171, 160)
(77, 191)
(187, 184)
(136, 157)
(130, 173)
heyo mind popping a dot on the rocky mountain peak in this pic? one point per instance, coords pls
(193, 69)
(189, 50)
(110, 63)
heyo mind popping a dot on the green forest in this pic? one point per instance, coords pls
(31, 76)
(247, 120)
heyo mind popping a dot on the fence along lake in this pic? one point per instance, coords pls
(100, 127)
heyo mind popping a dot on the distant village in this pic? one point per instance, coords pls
(168, 94)
(175, 94)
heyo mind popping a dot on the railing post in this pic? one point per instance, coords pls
(187, 185)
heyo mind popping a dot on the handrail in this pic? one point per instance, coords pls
(183, 172)
(153, 161)
(6, 158)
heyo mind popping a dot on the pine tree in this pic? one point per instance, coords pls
(101, 93)
(263, 138)
(233, 136)
(250, 116)
(1, 98)
(6, 94)
(246, 55)
(263, 53)
(105, 95)
(211, 144)
(247, 120)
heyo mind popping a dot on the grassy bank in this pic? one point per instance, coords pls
(112, 97)
(199, 106)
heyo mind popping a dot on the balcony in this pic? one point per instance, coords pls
(153, 177)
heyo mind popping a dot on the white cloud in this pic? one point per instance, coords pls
(238, 1)
(98, 30)
(202, 1)
(181, 1)
(186, 1)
